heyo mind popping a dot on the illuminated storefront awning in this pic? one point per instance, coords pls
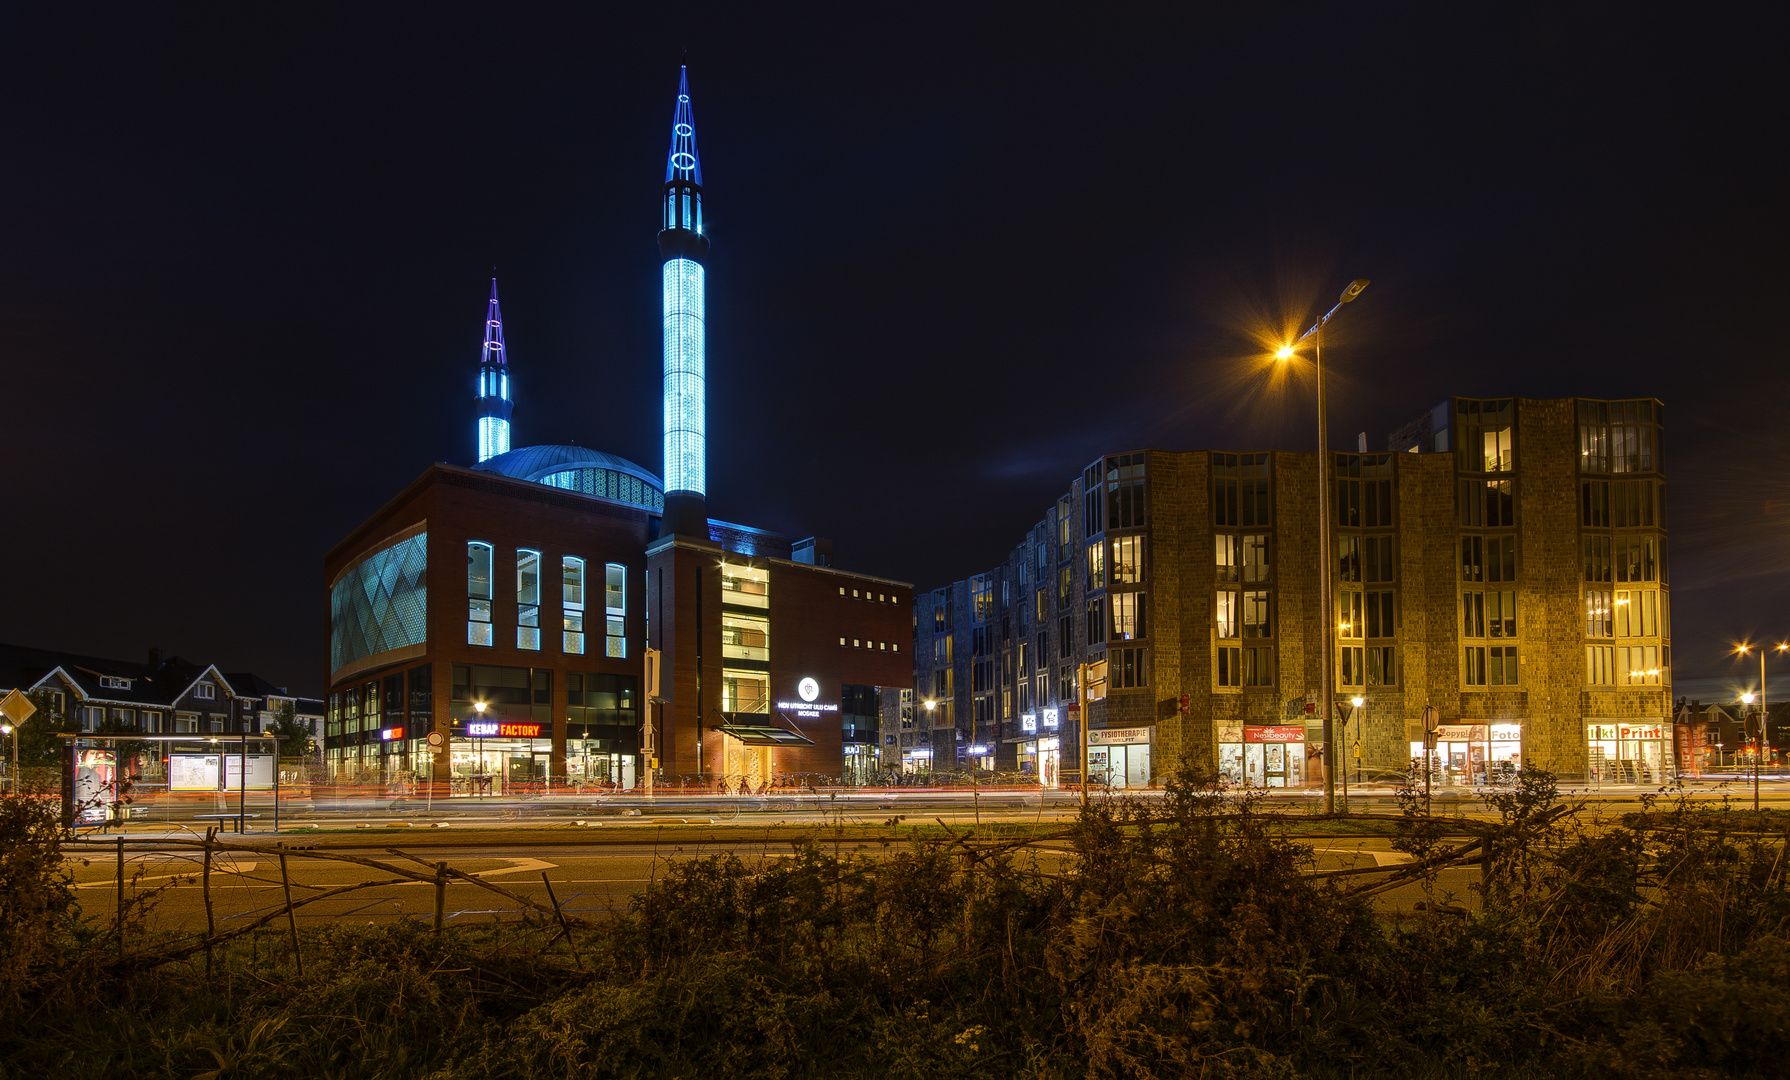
(761, 735)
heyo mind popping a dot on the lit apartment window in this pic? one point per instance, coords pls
(615, 607)
(572, 603)
(478, 593)
(205, 691)
(528, 599)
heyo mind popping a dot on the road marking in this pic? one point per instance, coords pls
(520, 866)
(1381, 858)
(222, 868)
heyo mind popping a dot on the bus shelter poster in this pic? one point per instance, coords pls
(260, 768)
(96, 785)
(193, 772)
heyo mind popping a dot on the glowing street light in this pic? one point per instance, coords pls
(1326, 683)
(1760, 747)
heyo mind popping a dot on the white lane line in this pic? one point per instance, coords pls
(520, 865)
(222, 868)
(1381, 858)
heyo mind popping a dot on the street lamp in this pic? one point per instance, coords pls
(1326, 680)
(1760, 747)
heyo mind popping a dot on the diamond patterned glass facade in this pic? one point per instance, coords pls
(381, 603)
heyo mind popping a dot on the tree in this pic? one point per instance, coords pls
(39, 744)
(296, 743)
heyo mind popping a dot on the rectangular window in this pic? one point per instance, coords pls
(1594, 504)
(1255, 557)
(1128, 616)
(1597, 559)
(1230, 666)
(1379, 614)
(745, 637)
(1125, 492)
(1349, 615)
(1638, 665)
(1043, 604)
(528, 599)
(1065, 587)
(1487, 504)
(1090, 501)
(1126, 669)
(1473, 614)
(1348, 558)
(1475, 665)
(1228, 556)
(1096, 622)
(1503, 661)
(1381, 666)
(981, 597)
(1486, 435)
(1128, 560)
(1631, 504)
(1376, 558)
(1500, 558)
(1634, 432)
(1066, 637)
(205, 691)
(571, 602)
(1637, 613)
(1594, 437)
(1351, 666)
(1258, 666)
(1472, 558)
(1240, 493)
(1600, 665)
(1634, 557)
(1256, 621)
(1064, 540)
(1348, 500)
(1599, 614)
(1096, 566)
(1501, 614)
(478, 593)
(1225, 608)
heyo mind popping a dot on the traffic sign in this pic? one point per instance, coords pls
(1431, 719)
(17, 707)
(435, 739)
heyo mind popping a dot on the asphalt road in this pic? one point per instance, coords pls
(589, 880)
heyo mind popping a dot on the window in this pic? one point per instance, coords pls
(1594, 437)
(981, 597)
(1066, 637)
(1128, 616)
(1063, 537)
(1096, 566)
(1381, 666)
(1066, 683)
(1043, 605)
(1637, 613)
(1228, 556)
(1090, 501)
(1599, 614)
(205, 692)
(1256, 621)
(1503, 665)
(1128, 560)
(745, 637)
(1486, 435)
(1240, 494)
(1474, 674)
(1376, 558)
(615, 608)
(528, 599)
(478, 593)
(1226, 612)
(114, 682)
(1125, 492)
(1597, 558)
(1500, 558)
(1631, 504)
(1096, 622)
(1634, 436)
(1379, 614)
(1351, 666)
(1065, 587)
(1348, 558)
(1126, 669)
(938, 614)
(1230, 666)
(1634, 558)
(1600, 665)
(1638, 665)
(1349, 621)
(1487, 504)
(1594, 504)
(1255, 557)
(571, 576)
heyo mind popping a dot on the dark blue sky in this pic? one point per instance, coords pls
(243, 259)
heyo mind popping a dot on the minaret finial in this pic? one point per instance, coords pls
(683, 162)
(494, 385)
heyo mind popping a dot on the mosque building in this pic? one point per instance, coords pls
(605, 632)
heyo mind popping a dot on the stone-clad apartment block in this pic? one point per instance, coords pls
(1502, 560)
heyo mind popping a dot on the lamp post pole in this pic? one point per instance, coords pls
(1760, 745)
(12, 763)
(1326, 607)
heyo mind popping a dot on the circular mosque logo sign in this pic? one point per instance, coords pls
(809, 689)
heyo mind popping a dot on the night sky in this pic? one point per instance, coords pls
(244, 258)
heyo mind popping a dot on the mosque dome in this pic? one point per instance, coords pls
(575, 468)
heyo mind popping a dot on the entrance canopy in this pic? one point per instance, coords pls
(764, 735)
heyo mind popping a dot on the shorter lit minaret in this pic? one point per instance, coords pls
(682, 251)
(494, 386)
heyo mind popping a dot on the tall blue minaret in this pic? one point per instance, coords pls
(683, 249)
(494, 386)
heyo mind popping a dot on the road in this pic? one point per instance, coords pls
(589, 880)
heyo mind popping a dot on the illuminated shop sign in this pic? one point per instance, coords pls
(1028, 721)
(1119, 736)
(484, 729)
(390, 733)
(1050, 719)
(808, 690)
(1626, 731)
(978, 750)
(1274, 734)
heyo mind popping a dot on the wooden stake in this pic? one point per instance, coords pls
(564, 927)
(291, 918)
(121, 897)
(440, 894)
(205, 879)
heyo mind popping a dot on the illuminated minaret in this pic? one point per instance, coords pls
(683, 249)
(494, 386)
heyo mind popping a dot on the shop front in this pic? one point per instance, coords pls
(749, 751)
(1270, 756)
(916, 759)
(1470, 754)
(1628, 751)
(1120, 757)
(499, 757)
(1042, 758)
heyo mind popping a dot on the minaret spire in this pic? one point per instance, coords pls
(494, 385)
(683, 249)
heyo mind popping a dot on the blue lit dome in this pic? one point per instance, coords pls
(575, 468)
